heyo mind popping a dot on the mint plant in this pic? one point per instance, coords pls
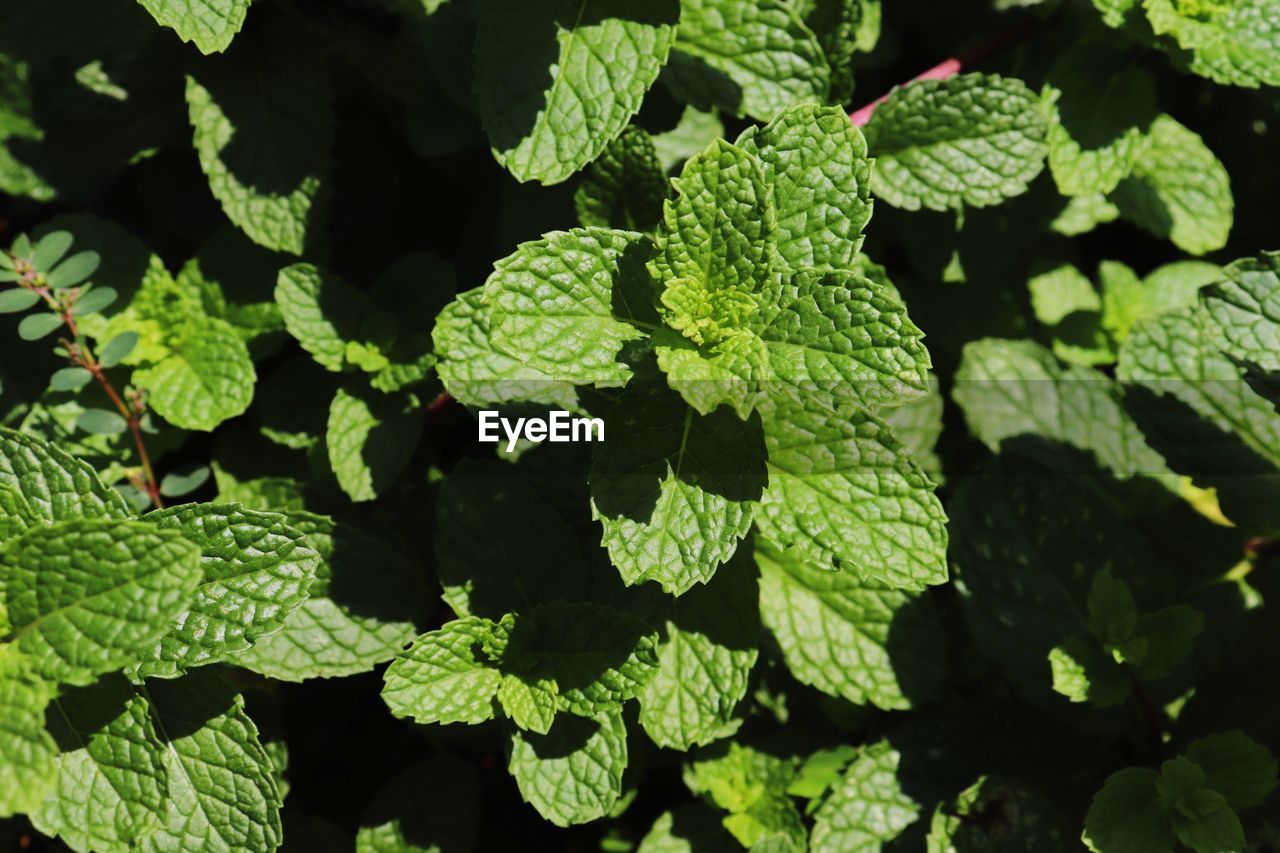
(639, 426)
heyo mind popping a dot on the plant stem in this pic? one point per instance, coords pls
(951, 66)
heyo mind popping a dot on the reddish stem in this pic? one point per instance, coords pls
(951, 67)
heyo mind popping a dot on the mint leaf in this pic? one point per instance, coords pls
(1100, 110)
(112, 783)
(597, 657)
(361, 610)
(1230, 43)
(555, 303)
(53, 484)
(752, 59)
(85, 596)
(572, 774)
(207, 379)
(674, 491)
(476, 373)
(918, 425)
(706, 649)
(840, 633)
(212, 748)
(846, 495)
(370, 438)
(530, 703)
(693, 133)
(272, 188)
(625, 186)
(236, 279)
(1240, 769)
(867, 807)
(1245, 303)
(1178, 190)
(1083, 671)
(1126, 815)
(974, 140)
(256, 570)
(557, 81)
(209, 24)
(1215, 826)
(817, 165)
(751, 784)
(443, 677)
(321, 311)
(27, 753)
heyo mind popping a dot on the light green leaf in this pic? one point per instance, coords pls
(625, 186)
(321, 311)
(1240, 769)
(817, 165)
(256, 571)
(1100, 109)
(751, 785)
(529, 703)
(1084, 672)
(707, 647)
(263, 132)
(85, 596)
(918, 425)
(693, 133)
(370, 438)
(27, 753)
(361, 610)
(867, 808)
(572, 774)
(975, 140)
(1235, 43)
(222, 790)
(557, 80)
(432, 807)
(112, 783)
(752, 59)
(851, 638)
(597, 657)
(556, 303)
(476, 373)
(730, 371)
(236, 279)
(1246, 305)
(1179, 190)
(846, 495)
(675, 491)
(444, 677)
(1126, 815)
(209, 24)
(208, 377)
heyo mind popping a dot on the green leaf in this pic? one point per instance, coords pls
(256, 571)
(54, 484)
(1230, 43)
(361, 610)
(556, 303)
(625, 186)
(94, 301)
(572, 774)
(17, 300)
(693, 133)
(73, 270)
(84, 596)
(557, 81)
(707, 647)
(236, 280)
(370, 437)
(974, 140)
(1169, 637)
(842, 337)
(1126, 815)
(1240, 769)
(444, 677)
(16, 515)
(674, 491)
(529, 703)
(817, 165)
(918, 425)
(1100, 109)
(1245, 303)
(1084, 672)
(1060, 292)
(36, 326)
(184, 481)
(209, 24)
(27, 753)
(867, 807)
(118, 349)
(851, 638)
(476, 373)
(70, 379)
(272, 187)
(432, 807)
(211, 749)
(207, 379)
(597, 657)
(846, 495)
(1213, 829)
(112, 783)
(1113, 615)
(752, 59)
(1179, 190)
(50, 249)
(751, 785)
(101, 422)
(321, 311)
